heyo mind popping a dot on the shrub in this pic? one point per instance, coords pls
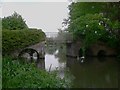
(16, 39)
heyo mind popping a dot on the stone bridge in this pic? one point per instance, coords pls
(38, 49)
(74, 49)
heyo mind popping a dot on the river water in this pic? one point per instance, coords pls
(90, 73)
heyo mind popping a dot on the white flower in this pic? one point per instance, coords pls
(99, 23)
(86, 25)
(95, 31)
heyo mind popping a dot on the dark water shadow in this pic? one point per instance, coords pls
(94, 72)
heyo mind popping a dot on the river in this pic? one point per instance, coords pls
(93, 72)
(90, 73)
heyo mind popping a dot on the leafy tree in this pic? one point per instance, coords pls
(112, 10)
(14, 22)
(93, 21)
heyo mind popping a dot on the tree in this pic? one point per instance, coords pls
(94, 21)
(14, 22)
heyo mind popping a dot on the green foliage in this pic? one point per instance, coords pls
(82, 8)
(17, 74)
(14, 22)
(17, 39)
(112, 11)
(0, 71)
(90, 22)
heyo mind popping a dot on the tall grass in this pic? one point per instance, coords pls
(17, 74)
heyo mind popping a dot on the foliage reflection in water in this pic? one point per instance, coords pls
(94, 73)
(91, 73)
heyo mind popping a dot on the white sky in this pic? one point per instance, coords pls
(47, 16)
(42, 14)
(34, 0)
(59, 0)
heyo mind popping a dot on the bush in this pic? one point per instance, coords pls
(17, 74)
(16, 39)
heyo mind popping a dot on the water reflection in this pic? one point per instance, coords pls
(51, 60)
(50, 49)
(93, 73)
(89, 73)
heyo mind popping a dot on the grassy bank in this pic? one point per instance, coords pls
(16, 39)
(17, 74)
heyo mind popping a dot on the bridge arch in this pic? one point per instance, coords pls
(30, 51)
(101, 53)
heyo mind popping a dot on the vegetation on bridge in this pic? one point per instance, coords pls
(15, 39)
(16, 34)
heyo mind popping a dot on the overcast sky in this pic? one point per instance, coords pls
(47, 16)
(42, 14)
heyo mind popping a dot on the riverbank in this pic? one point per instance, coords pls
(19, 74)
